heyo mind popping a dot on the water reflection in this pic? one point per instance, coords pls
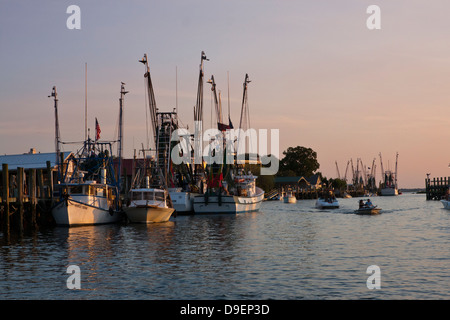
(282, 252)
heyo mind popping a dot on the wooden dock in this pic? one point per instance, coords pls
(25, 199)
(437, 188)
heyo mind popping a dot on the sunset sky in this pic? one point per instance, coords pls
(318, 74)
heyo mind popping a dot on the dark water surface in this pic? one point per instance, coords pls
(285, 251)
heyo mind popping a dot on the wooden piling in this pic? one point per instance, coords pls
(20, 175)
(5, 196)
(32, 195)
(49, 180)
(40, 181)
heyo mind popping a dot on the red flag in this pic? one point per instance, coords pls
(97, 130)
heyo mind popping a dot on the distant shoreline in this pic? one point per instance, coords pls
(413, 190)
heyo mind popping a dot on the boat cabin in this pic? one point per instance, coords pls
(148, 196)
(90, 192)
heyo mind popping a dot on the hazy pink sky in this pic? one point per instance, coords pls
(318, 74)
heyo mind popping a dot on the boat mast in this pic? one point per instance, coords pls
(245, 118)
(198, 116)
(244, 122)
(216, 101)
(85, 102)
(382, 169)
(337, 170)
(151, 97)
(396, 160)
(57, 132)
(345, 175)
(122, 94)
(198, 111)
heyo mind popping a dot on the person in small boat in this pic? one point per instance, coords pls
(369, 203)
(361, 204)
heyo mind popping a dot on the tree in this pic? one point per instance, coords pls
(339, 184)
(302, 161)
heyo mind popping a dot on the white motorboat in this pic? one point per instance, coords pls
(148, 205)
(246, 197)
(446, 204)
(289, 197)
(327, 203)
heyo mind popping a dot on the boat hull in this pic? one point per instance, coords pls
(446, 204)
(389, 192)
(228, 204)
(74, 213)
(368, 211)
(182, 201)
(327, 205)
(148, 214)
(290, 199)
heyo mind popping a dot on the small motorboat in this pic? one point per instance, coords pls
(327, 203)
(446, 204)
(289, 197)
(368, 210)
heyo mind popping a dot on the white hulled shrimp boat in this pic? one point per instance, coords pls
(245, 197)
(87, 192)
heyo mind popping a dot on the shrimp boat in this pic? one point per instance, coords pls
(390, 185)
(87, 192)
(230, 189)
(189, 182)
(86, 203)
(148, 199)
(244, 197)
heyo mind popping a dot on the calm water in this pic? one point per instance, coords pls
(285, 251)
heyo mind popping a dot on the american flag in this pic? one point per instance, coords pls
(97, 130)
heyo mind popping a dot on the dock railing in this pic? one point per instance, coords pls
(436, 188)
